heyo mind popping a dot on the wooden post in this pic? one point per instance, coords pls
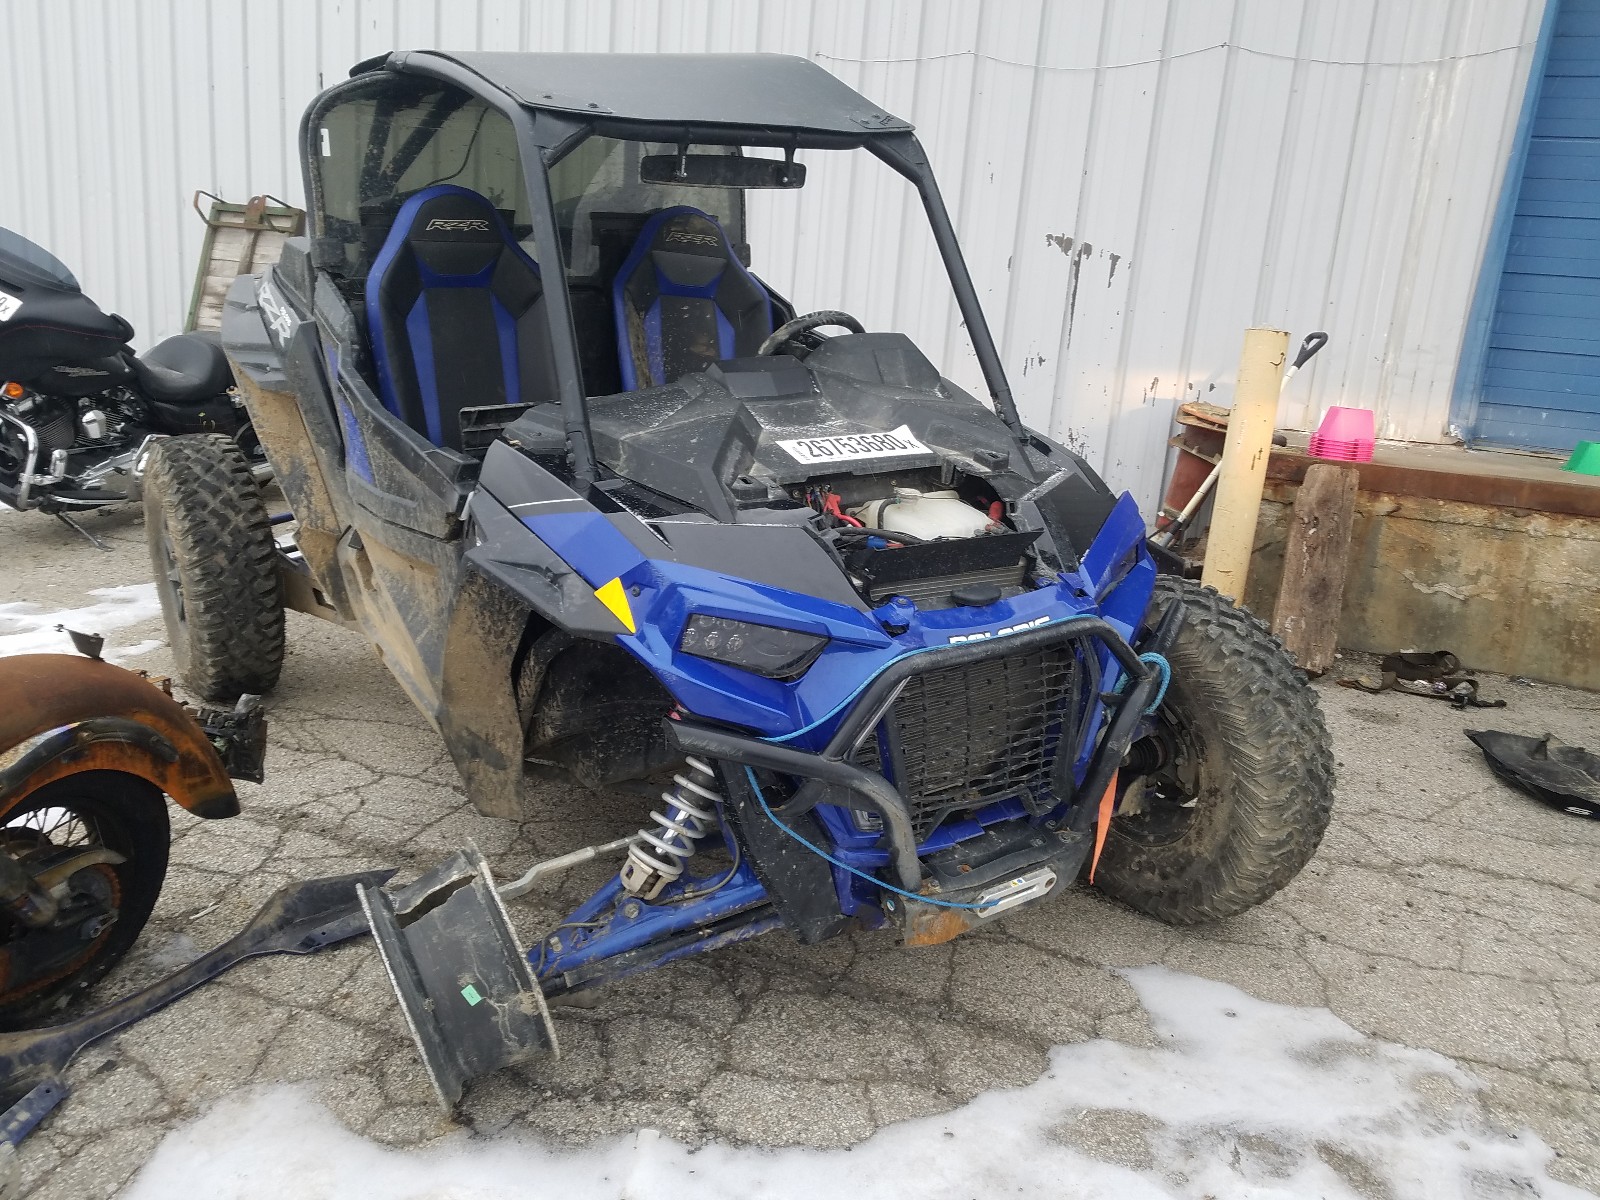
(1243, 472)
(1311, 596)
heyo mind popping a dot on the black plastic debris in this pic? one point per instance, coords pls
(299, 918)
(1563, 776)
(87, 644)
(464, 984)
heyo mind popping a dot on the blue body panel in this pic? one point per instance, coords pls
(355, 443)
(1113, 581)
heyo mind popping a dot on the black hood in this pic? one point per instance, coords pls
(738, 434)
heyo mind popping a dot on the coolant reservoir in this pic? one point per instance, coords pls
(925, 515)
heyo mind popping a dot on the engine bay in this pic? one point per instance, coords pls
(911, 487)
(939, 537)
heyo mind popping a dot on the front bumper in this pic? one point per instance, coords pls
(829, 777)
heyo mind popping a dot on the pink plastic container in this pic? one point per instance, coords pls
(1346, 435)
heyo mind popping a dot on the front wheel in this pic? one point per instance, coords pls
(1227, 798)
(103, 904)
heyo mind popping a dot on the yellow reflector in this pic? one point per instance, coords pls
(615, 597)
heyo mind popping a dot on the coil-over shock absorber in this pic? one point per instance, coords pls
(659, 855)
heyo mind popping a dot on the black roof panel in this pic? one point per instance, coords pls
(761, 90)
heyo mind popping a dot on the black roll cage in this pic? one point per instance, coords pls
(544, 137)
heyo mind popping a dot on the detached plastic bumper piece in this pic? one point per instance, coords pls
(465, 986)
(1563, 776)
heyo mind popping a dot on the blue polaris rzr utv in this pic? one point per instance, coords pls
(612, 511)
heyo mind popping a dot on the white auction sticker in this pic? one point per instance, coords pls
(852, 447)
(8, 306)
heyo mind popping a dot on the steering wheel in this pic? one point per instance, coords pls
(793, 329)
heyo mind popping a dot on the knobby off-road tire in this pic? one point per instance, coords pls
(1245, 790)
(215, 565)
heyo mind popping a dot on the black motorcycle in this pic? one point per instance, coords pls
(78, 409)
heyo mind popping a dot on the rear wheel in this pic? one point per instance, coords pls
(1224, 802)
(215, 564)
(103, 906)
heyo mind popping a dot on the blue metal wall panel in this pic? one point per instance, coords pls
(1541, 379)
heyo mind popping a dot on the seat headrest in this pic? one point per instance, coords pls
(453, 315)
(452, 230)
(687, 247)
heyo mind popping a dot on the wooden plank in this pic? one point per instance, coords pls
(1529, 204)
(1575, 21)
(1571, 88)
(1545, 165)
(1544, 428)
(1550, 303)
(1583, 410)
(1570, 108)
(1583, 389)
(1579, 329)
(1579, 245)
(1564, 285)
(1568, 348)
(1581, 228)
(1547, 364)
(1553, 266)
(1311, 595)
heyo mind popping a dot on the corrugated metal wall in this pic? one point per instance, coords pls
(1135, 181)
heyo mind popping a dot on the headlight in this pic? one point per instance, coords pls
(761, 649)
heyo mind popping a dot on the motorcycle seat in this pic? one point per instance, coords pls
(184, 368)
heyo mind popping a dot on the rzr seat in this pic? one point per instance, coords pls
(683, 300)
(455, 310)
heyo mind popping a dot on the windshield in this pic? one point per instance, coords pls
(23, 262)
(601, 203)
(640, 257)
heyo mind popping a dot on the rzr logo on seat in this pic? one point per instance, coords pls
(957, 639)
(457, 225)
(697, 239)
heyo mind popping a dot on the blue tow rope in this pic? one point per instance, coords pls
(1151, 659)
(821, 853)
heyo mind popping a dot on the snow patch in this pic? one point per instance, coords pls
(28, 629)
(118, 654)
(1241, 1099)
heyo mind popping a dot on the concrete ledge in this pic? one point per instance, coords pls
(1497, 478)
(1501, 568)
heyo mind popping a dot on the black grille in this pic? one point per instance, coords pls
(960, 737)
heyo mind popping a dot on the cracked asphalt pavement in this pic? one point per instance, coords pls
(1443, 911)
